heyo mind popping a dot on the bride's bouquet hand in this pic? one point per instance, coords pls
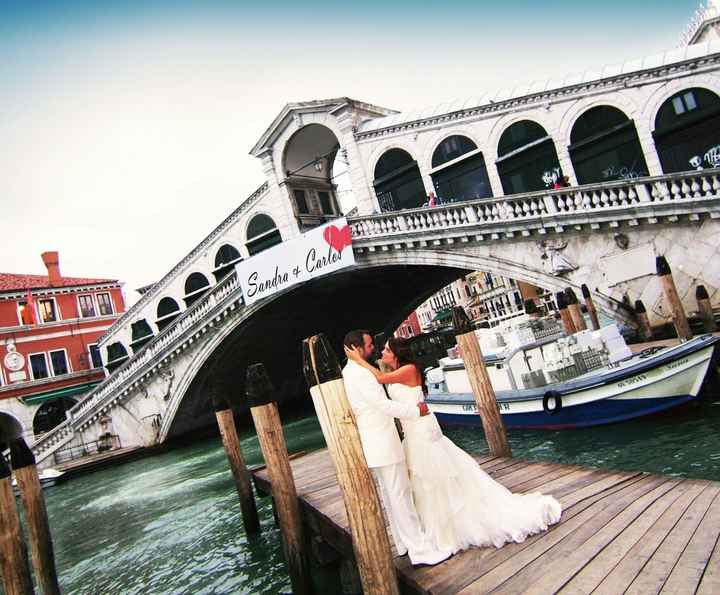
(354, 354)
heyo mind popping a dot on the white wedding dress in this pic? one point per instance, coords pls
(459, 504)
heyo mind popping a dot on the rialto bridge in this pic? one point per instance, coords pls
(638, 143)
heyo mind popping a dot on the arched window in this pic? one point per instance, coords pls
(456, 177)
(527, 159)
(195, 287)
(117, 355)
(397, 182)
(141, 334)
(262, 233)
(10, 429)
(167, 311)
(225, 259)
(51, 414)
(604, 146)
(686, 131)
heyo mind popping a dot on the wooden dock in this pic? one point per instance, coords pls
(620, 532)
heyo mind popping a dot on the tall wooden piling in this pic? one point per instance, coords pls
(565, 317)
(487, 406)
(574, 309)
(590, 305)
(264, 410)
(682, 327)
(370, 540)
(13, 552)
(28, 481)
(705, 309)
(643, 321)
(241, 475)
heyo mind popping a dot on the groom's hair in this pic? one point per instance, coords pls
(355, 338)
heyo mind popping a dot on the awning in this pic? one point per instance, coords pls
(443, 315)
(67, 391)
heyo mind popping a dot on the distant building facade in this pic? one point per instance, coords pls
(49, 330)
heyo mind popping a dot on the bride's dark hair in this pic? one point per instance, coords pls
(401, 350)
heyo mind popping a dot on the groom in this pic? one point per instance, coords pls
(374, 414)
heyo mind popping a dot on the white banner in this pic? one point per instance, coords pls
(322, 250)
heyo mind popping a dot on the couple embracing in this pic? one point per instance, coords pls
(437, 498)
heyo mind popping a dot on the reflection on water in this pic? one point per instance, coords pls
(171, 523)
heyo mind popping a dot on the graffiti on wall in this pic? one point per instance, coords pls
(711, 158)
(550, 176)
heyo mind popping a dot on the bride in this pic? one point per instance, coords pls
(458, 503)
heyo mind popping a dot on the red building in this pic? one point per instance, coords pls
(410, 327)
(49, 327)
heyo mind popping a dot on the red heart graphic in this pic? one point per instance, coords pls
(338, 238)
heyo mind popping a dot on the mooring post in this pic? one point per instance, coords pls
(13, 551)
(590, 305)
(682, 327)
(574, 309)
(371, 543)
(565, 317)
(487, 406)
(705, 309)
(28, 481)
(646, 332)
(241, 475)
(264, 410)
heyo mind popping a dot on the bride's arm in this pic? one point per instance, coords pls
(403, 375)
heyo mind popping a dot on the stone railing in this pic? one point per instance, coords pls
(702, 15)
(141, 364)
(624, 198)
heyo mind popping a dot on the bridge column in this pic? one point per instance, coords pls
(647, 144)
(565, 162)
(288, 226)
(363, 192)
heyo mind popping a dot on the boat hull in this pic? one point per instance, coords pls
(648, 386)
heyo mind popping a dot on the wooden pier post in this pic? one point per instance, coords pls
(370, 540)
(574, 309)
(13, 552)
(590, 305)
(705, 309)
(28, 481)
(565, 317)
(682, 328)
(231, 442)
(646, 331)
(266, 417)
(487, 406)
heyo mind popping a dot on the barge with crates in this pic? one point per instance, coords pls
(543, 379)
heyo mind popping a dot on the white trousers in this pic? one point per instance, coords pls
(396, 495)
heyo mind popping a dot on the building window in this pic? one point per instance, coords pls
(301, 201)
(684, 103)
(86, 306)
(326, 203)
(58, 360)
(95, 357)
(24, 313)
(262, 234)
(48, 310)
(38, 366)
(104, 304)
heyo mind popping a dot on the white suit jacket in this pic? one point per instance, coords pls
(374, 414)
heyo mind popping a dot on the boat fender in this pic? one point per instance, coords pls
(557, 402)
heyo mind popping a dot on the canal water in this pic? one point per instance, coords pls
(170, 523)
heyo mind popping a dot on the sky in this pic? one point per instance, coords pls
(125, 127)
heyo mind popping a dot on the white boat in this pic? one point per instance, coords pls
(48, 477)
(629, 387)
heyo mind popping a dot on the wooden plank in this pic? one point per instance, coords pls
(710, 583)
(539, 483)
(600, 566)
(519, 467)
(599, 512)
(527, 474)
(654, 574)
(690, 567)
(550, 572)
(628, 568)
(465, 567)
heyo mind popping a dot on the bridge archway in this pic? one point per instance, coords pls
(458, 170)
(397, 181)
(378, 294)
(309, 164)
(10, 428)
(685, 130)
(50, 414)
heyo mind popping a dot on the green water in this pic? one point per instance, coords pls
(170, 523)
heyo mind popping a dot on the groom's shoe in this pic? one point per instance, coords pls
(430, 558)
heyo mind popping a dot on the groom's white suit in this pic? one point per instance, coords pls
(374, 414)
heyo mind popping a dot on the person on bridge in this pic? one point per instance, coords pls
(374, 415)
(458, 503)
